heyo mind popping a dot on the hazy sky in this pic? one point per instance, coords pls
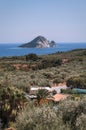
(59, 20)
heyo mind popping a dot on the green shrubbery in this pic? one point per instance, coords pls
(77, 82)
(43, 71)
(32, 57)
(71, 111)
(11, 101)
(46, 70)
(39, 118)
(81, 122)
(69, 115)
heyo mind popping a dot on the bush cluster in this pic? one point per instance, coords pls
(69, 115)
(77, 82)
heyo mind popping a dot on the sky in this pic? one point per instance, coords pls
(58, 20)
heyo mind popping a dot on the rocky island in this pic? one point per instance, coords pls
(39, 42)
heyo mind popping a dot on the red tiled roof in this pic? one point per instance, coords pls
(59, 97)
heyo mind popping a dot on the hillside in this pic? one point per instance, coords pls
(39, 42)
(19, 74)
(30, 70)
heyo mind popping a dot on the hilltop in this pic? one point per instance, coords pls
(39, 42)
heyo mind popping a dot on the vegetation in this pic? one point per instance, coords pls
(77, 82)
(39, 118)
(12, 100)
(46, 70)
(69, 115)
(19, 74)
(32, 57)
(42, 94)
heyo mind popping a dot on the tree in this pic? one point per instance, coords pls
(31, 56)
(42, 94)
(54, 92)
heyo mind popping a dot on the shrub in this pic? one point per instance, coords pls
(77, 82)
(57, 81)
(11, 101)
(31, 56)
(70, 115)
(71, 110)
(39, 118)
(81, 122)
(54, 92)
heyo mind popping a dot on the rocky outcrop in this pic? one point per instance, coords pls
(39, 42)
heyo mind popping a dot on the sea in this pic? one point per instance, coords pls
(13, 49)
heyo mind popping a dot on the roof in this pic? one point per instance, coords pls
(59, 97)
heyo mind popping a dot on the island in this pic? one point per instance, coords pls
(39, 42)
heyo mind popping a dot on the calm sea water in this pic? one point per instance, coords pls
(14, 50)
